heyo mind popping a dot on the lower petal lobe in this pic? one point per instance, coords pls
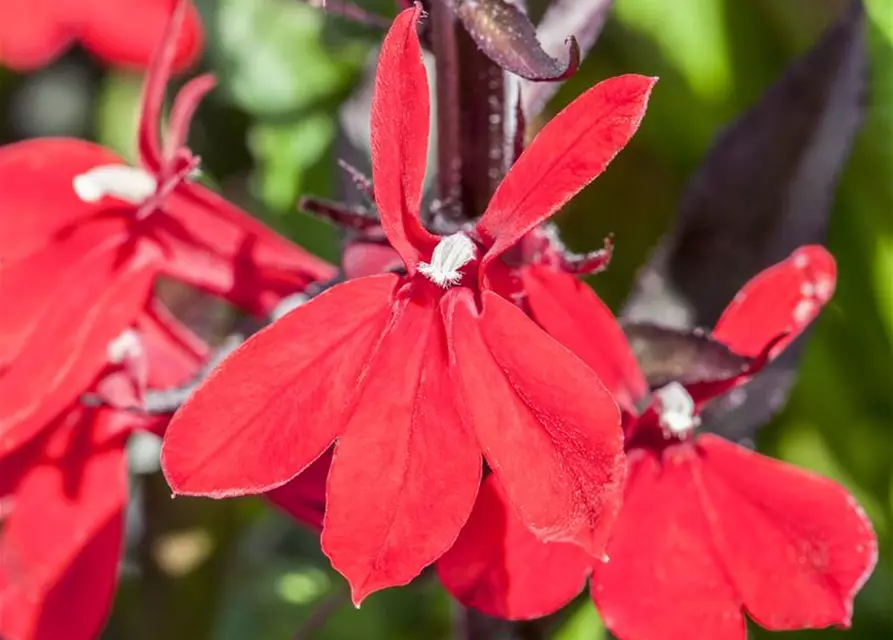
(406, 471)
(797, 546)
(549, 429)
(499, 567)
(663, 579)
(274, 405)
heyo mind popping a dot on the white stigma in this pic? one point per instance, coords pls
(125, 346)
(131, 184)
(677, 413)
(451, 254)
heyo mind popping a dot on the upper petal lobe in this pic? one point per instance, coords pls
(784, 298)
(400, 122)
(568, 154)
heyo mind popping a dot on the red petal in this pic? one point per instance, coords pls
(662, 579)
(54, 341)
(366, 258)
(185, 105)
(215, 246)
(174, 353)
(32, 33)
(272, 407)
(129, 33)
(37, 195)
(400, 122)
(796, 545)
(784, 297)
(499, 567)
(406, 471)
(572, 314)
(549, 429)
(304, 497)
(568, 154)
(173, 31)
(61, 545)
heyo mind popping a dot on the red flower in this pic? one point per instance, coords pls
(707, 528)
(65, 492)
(417, 375)
(83, 238)
(34, 33)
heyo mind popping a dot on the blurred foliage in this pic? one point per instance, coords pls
(241, 570)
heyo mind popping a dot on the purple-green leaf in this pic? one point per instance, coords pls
(504, 32)
(766, 187)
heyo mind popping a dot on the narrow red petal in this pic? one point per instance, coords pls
(32, 34)
(796, 545)
(784, 298)
(568, 154)
(51, 356)
(128, 34)
(166, 26)
(36, 194)
(549, 429)
(574, 315)
(61, 544)
(499, 567)
(185, 106)
(215, 246)
(406, 471)
(174, 353)
(662, 579)
(400, 122)
(273, 406)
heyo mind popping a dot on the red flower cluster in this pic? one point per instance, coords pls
(119, 32)
(707, 528)
(64, 492)
(83, 239)
(482, 413)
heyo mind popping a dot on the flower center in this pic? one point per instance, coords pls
(677, 409)
(131, 184)
(451, 254)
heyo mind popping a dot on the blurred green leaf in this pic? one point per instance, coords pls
(690, 34)
(284, 152)
(583, 624)
(274, 58)
(118, 113)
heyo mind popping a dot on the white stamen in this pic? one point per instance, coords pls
(677, 412)
(130, 184)
(451, 254)
(126, 345)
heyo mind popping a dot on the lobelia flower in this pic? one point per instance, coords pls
(83, 238)
(707, 528)
(416, 375)
(123, 33)
(64, 493)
